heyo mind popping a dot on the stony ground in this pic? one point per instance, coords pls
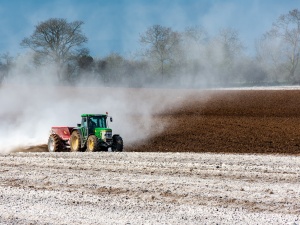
(149, 188)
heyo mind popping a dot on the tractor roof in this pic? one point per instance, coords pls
(85, 115)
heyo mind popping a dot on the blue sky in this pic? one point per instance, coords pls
(115, 25)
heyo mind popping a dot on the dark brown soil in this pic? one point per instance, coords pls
(248, 121)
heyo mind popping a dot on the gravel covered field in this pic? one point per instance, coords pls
(149, 188)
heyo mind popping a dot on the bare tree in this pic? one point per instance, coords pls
(161, 45)
(112, 68)
(84, 62)
(230, 43)
(194, 49)
(230, 47)
(286, 30)
(197, 35)
(57, 40)
(6, 62)
(269, 58)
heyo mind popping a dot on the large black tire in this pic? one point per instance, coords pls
(55, 143)
(92, 144)
(75, 141)
(117, 145)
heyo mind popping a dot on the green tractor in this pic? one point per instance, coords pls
(93, 134)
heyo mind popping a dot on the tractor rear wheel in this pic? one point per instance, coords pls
(117, 145)
(54, 143)
(75, 141)
(92, 144)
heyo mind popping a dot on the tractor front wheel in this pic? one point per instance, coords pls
(117, 145)
(54, 143)
(92, 144)
(75, 141)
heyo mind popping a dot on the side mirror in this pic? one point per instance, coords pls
(78, 124)
(111, 119)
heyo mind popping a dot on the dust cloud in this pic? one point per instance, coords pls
(28, 111)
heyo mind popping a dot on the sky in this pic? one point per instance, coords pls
(116, 25)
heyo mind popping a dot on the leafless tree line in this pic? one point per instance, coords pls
(189, 58)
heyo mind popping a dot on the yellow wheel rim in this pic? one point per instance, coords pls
(75, 143)
(91, 145)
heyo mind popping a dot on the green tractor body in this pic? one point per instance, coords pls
(92, 134)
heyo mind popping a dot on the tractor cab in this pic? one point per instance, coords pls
(95, 124)
(91, 122)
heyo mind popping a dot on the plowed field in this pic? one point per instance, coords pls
(248, 121)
